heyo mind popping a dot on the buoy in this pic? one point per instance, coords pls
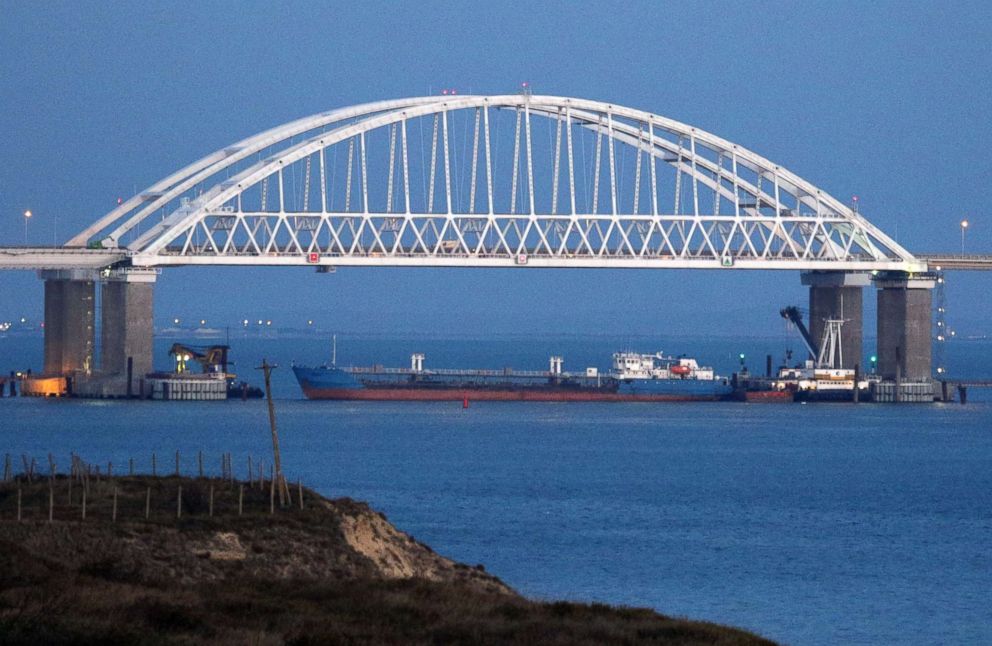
(465, 403)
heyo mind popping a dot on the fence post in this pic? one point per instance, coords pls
(51, 487)
(148, 502)
(272, 492)
(299, 485)
(114, 516)
(6, 468)
(241, 499)
(179, 503)
(130, 466)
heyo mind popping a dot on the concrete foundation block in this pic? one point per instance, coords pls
(69, 321)
(127, 328)
(904, 333)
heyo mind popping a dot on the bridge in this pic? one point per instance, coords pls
(515, 180)
(956, 261)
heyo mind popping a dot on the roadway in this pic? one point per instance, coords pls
(956, 261)
(58, 257)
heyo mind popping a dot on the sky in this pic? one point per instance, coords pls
(889, 101)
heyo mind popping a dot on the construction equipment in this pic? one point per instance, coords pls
(212, 359)
(792, 313)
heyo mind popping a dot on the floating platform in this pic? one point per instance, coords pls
(187, 387)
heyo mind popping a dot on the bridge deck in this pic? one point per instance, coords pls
(33, 258)
(58, 258)
(948, 261)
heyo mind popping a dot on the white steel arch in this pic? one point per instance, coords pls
(591, 193)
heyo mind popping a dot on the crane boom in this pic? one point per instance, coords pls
(792, 313)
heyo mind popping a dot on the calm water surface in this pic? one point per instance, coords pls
(810, 524)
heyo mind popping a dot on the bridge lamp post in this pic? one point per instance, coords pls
(27, 216)
(964, 227)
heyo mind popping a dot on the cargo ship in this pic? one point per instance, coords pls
(633, 377)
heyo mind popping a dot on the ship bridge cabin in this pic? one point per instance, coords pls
(632, 365)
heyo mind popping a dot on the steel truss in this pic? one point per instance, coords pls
(428, 182)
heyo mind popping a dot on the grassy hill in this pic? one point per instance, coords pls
(334, 571)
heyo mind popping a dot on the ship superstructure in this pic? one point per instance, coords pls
(823, 379)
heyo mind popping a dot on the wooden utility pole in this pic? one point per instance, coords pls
(280, 480)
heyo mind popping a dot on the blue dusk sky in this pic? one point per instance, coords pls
(889, 101)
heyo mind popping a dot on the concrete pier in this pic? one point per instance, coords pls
(126, 323)
(126, 330)
(838, 295)
(904, 326)
(69, 319)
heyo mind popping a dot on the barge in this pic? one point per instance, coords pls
(633, 377)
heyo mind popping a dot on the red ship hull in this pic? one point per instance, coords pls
(768, 396)
(461, 394)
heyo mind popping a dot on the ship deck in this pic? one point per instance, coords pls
(506, 375)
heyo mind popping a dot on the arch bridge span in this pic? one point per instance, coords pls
(510, 180)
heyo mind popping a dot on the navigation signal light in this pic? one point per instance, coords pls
(313, 257)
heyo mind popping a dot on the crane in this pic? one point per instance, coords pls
(792, 313)
(212, 359)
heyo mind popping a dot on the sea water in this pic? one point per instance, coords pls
(807, 523)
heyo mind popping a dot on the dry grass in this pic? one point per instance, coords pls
(291, 577)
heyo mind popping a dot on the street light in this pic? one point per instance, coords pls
(27, 216)
(964, 227)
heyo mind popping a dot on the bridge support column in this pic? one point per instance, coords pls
(126, 326)
(904, 325)
(838, 295)
(69, 318)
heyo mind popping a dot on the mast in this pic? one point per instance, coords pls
(831, 350)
